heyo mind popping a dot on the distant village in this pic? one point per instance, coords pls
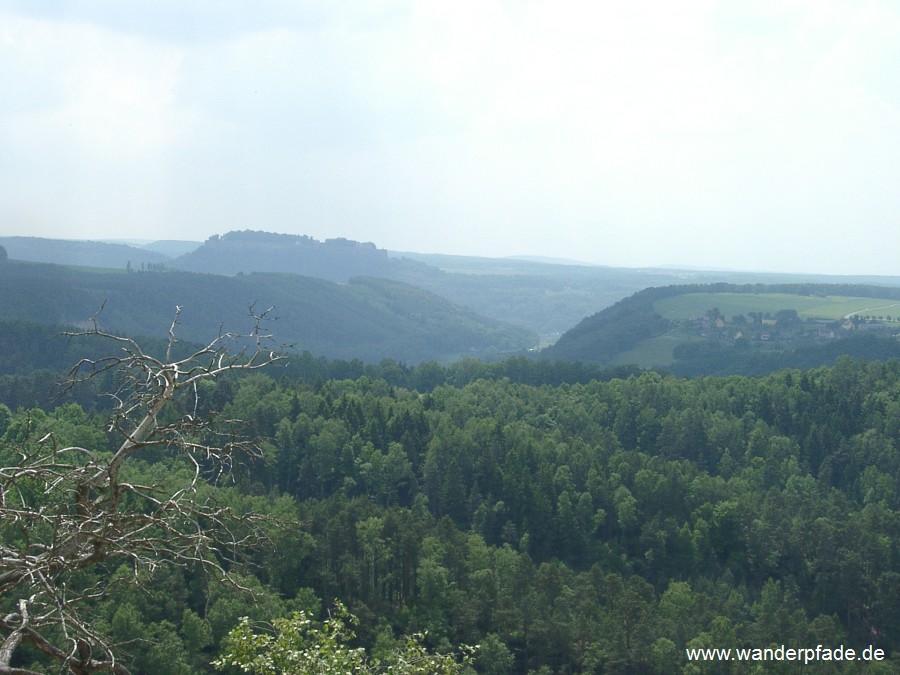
(787, 325)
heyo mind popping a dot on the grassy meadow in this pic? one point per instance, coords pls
(831, 307)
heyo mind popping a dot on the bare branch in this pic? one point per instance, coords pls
(64, 509)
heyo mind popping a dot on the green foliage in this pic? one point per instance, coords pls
(299, 645)
(712, 358)
(595, 526)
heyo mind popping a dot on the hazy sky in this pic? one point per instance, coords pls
(750, 135)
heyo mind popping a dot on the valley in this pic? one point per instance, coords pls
(697, 463)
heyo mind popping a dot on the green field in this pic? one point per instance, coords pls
(692, 305)
(654, 352)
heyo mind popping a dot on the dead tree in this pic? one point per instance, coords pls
(64, 509)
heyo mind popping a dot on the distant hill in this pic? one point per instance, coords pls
(248, 251)
(81, 253)
(369, 319)
(171, 247)
(601, 336)
(700, 329)
(545, 297)
(541, 297)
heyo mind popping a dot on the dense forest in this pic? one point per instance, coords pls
(577, 523)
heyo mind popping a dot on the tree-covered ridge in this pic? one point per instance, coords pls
(36, 356)
(596, 528)
(542, 297)
(248, 251)
(368, 318)
(609, 336)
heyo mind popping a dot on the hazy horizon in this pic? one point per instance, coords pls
(549, 260)
(704, 134)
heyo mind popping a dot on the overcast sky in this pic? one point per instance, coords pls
(760, 135)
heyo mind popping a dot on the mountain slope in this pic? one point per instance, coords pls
(370, 319)
(249, 251)
(601, 336)
(546, 298)
(759, 328)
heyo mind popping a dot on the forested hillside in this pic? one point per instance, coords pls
(547, 298)
(759, 329)
(543, 298)
(598, 527)
(248, 251)
(369, 319)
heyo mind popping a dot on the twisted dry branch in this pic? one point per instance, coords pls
(63, 509)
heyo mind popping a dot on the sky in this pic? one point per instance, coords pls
(760, 135)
